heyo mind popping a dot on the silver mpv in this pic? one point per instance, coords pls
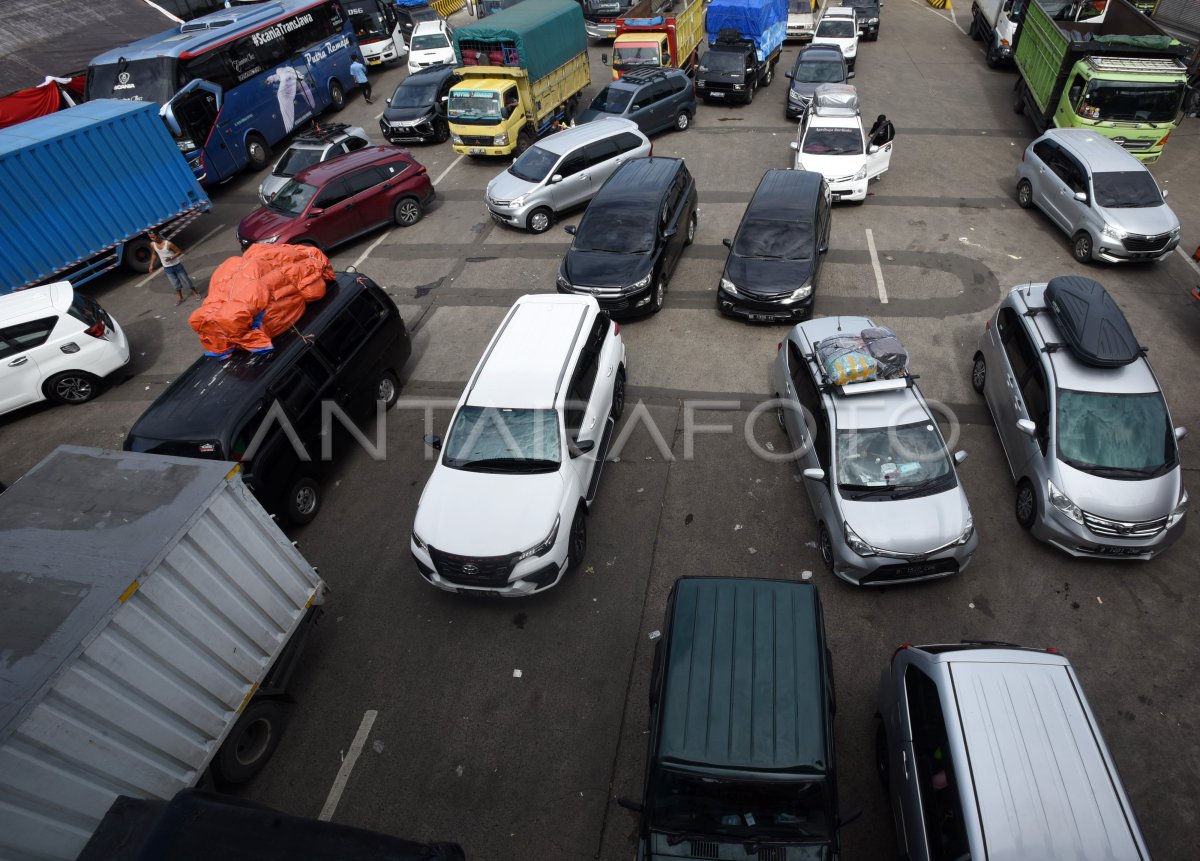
(1100, 195)
(889, 505)
(1082, 421)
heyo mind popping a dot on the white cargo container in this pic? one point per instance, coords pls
(150, 610)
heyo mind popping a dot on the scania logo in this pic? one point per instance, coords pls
(470, 569)
(123, 77)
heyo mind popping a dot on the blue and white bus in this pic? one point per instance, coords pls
(233, 83)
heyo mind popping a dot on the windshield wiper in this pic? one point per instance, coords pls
(902, 491)
(1122, 470)
(506, 464)
(862, 491)
(677, 837)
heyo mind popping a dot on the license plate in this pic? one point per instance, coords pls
(477, 150)
(480, 593)
(763, 318)
(1120, 551)
(920, 570)
(374, 61)
(717, 95)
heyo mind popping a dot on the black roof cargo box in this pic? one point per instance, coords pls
(1090, 322)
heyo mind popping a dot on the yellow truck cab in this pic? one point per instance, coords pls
(658, 33)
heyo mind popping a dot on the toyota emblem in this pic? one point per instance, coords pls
(470, 570)
(123, 78)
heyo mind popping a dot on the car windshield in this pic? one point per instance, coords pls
(1126, 189)
(776, 809)
(836, 29)
(534, 165)
(429, 42)
(722, 61)
(1131, 102)
(297, 159)
(623, 227)
(1115, 434)
(862, 4)
(800, 7)
(611, 100)
(911, 457)
(293, 197)
(414, 94)
(775, 240)
(504, 440)
(818, 72)
(820, 141)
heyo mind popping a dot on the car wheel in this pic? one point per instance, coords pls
(1024, 194)
(993, 56)
(825, 545)
(523, 142)
(750, 94)
(407, 212)
(682, 121)
(577, 546)
(1018, 104)
(1026, 507)
(258, 154)
(387, 389)
(441, 131)
(138, 254)
(251, 742)
(978, 373)
(779, 415)
(881, 754)
(337, 97)
(660, 293)
(540, 220)
(691, 230)
(618, 400)
(303, 500)
(1081, 247)
(71, 387)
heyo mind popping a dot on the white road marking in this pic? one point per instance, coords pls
(195, 245)
(362, 257)
(875, 265)
(1189, 261)
(442, 175)
(343, 775)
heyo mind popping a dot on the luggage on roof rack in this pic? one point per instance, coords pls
(1090, 322)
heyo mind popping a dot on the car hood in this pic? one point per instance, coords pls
(1114, 499)
(263, 223)
(485, 513)
(395, 115)
(600, 269)
(805, 88)
(1143, 220)
(271, 185)
(590, 115)
(767, 277)
(915, 525)
(431, 56)
(505, 186)
(832, 166)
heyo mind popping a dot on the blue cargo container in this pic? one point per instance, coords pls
(80, 188)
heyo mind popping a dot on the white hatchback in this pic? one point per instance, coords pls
(831, 141)
(55, 344)
(431, 44)
(839, 26)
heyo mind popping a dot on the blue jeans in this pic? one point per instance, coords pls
(179, 278)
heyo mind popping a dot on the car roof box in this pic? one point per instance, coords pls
(1090, 322)
(837, 100)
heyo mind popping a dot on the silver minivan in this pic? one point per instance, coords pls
(1100, 195)
(562, 171)
(1082, 421)
(990, 750)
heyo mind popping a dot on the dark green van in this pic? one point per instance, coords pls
(741, 761)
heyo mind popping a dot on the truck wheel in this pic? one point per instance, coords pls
(682, 121)
(257, 151)
(138, 254)
(769, 76)
(71, 387)
(540, 220)
(750, 94)
(1018, 99)
(523, 141)
(993, 56)
(974, 31)
(303, 500)
(337, 97)
(251, 743)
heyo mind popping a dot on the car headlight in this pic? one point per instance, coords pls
(728, 287)
(856, 544)
(502, 139)
(802, 292)
(543, 547)
(456, 138)
(872, 20)
(1114, 231)
(1174, 232)
(967, 532)
(1063, 503)
(862, 174)
(421, 545)
(270, 239)
(640, 284)
(739, 87)
(1181, 508)
(519, 200)
(562, 281)
(793, 96)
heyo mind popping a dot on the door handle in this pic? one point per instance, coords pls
(584, 176)
(19, 361)
(904, 762)
(592, 423)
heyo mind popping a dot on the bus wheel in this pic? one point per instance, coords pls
(257, 152)
(337, 97)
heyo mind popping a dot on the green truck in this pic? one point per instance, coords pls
(520, 70)
(1118, 73)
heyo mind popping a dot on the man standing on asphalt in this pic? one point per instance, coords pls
(359, 72)
(169, 254)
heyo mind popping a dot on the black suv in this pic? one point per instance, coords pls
(417, 110)
(410, 16)
(347, 349)
(774, 258)
(632, 236)
(655, 99)
(815, 65)
(868, 17)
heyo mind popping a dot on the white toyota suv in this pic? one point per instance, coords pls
(504, 510)
(830, 141)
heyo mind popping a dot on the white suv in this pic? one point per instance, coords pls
(504, 510)
(55, 344)
(431, 44)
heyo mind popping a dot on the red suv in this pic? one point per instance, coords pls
(340, 199)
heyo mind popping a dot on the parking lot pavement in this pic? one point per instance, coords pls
(526, 767)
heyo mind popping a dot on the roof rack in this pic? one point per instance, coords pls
(323, 132)
(643, 76)
(866, 387)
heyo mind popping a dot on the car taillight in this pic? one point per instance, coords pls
(616, 328)
(1052, 650)
(900, 649)
(987, 327)
(779, 346)
(96, 330)
(422, 169)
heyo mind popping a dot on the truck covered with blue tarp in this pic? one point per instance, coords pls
(745, 39)
(80, 188)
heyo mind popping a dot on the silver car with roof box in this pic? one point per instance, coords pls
(1100, 195)
(1083, 422)
(317, 144)
(889, 505)
(562, 171)
(990, 752)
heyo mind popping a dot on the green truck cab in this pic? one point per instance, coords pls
(741, 753)
(1118, 73)
(520, 69)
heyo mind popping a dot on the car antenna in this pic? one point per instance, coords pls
(839, 322)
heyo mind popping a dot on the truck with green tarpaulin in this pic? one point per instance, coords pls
(1119, 73)
(520, 70)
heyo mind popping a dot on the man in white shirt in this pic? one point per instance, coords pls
(169, 254)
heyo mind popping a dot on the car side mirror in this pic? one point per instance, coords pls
(1180, 433)
(315, 211)
(728, 243)
(960, 457)
(787, 75)
(1164, 192)
(849, 817)
(1027, 427)
(570, 228)
(445, 98)
(849, 75)
(871, 148)
(1081, 196)
(795, 145)
(629, 804)
(816, 474)
(604, 58)
(556, 178)
(670, 232)
(433, 441)
(582, 446)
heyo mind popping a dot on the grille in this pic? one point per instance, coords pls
(472, 570)
(1134, 145)
(1120, 529)
(478, 140)
(495, 202)
(1133, 242)
(704, 849)
(772, 853)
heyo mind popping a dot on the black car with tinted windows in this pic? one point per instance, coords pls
(632, 235)
(410, 16)
(868, 17)
(347, 350)
(815, 65)
(775, 257)
(416, 112)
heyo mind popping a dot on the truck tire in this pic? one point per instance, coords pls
(303, 500)
(138, 254)
(993, 56)
(1018, 98)
(251, 742)
(976, 31)
(524, 139)
(750, 92)
(769, 76)
(258, 153)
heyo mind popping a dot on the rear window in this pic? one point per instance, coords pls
(86, 310)
(202, 449)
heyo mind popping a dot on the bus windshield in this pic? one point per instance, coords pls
(150, 80)
(367, 23)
